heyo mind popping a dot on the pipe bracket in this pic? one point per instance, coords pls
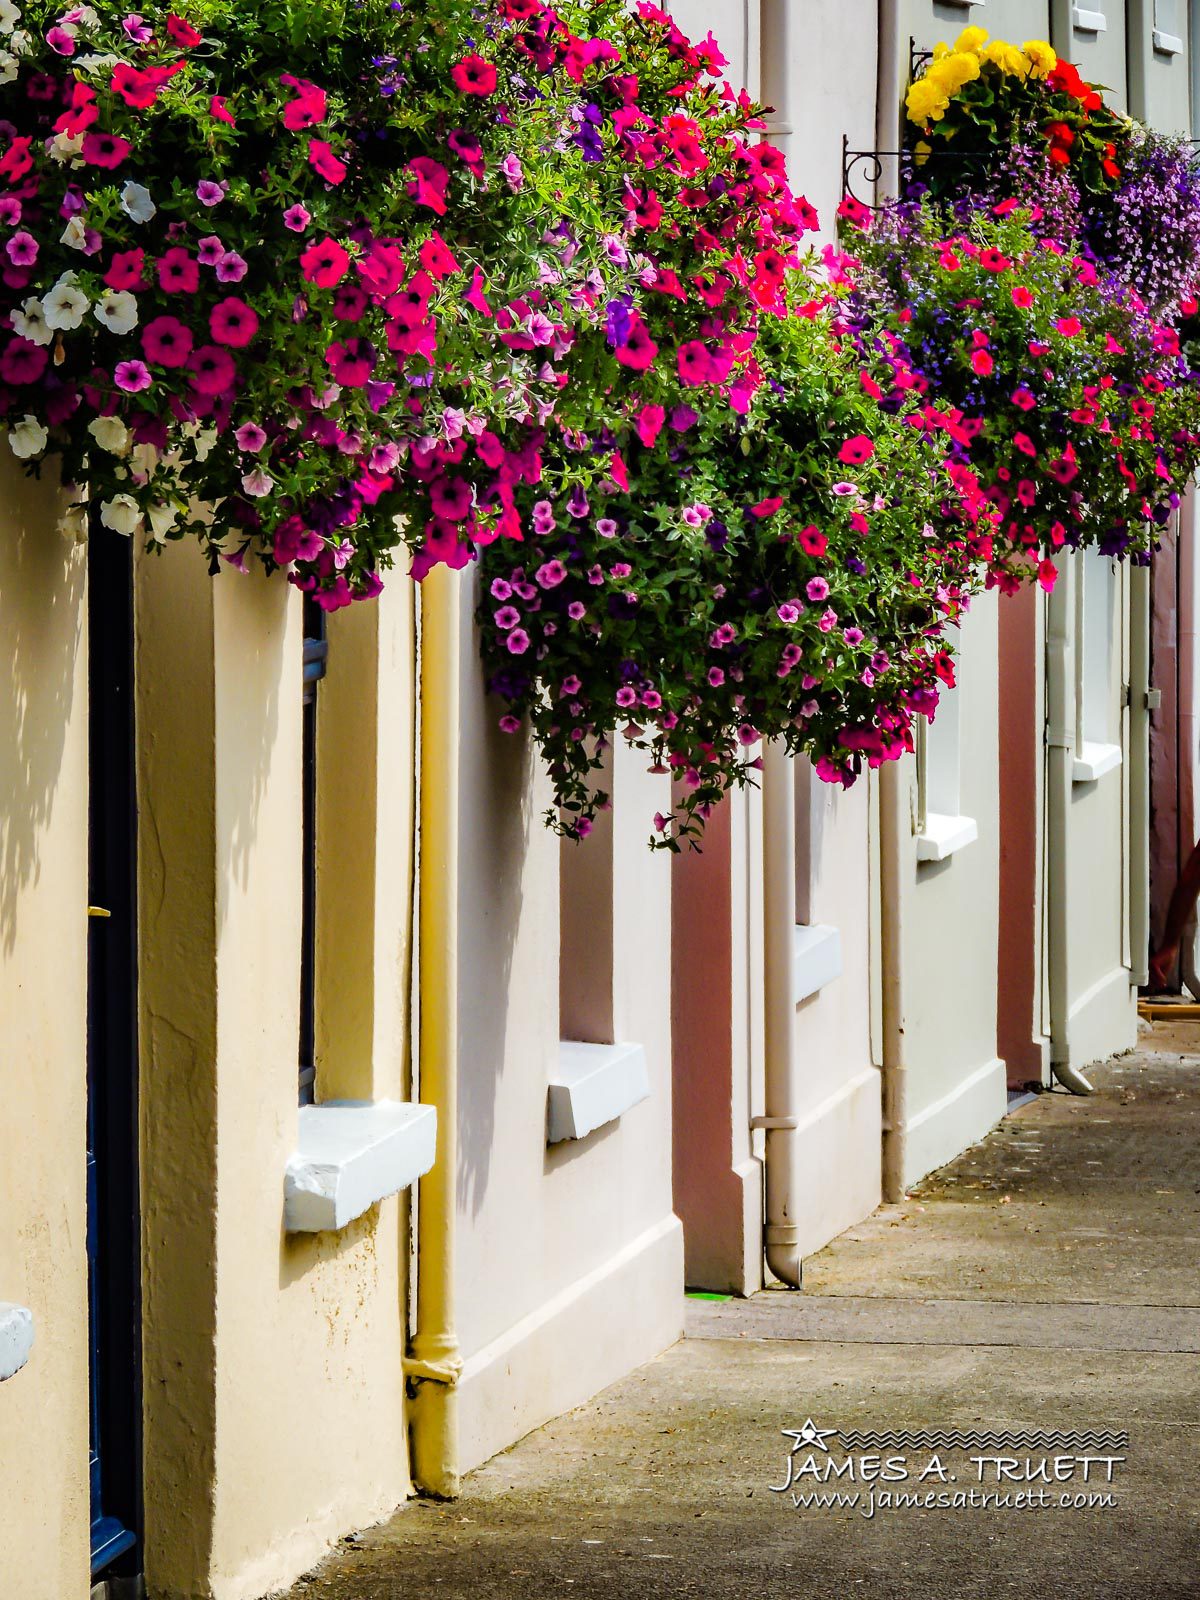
(775, 1122)
(448, 1371)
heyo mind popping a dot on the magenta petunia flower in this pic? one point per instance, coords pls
(231, 268)
(23, 362)
(212, 369)
(856, 450)
(166, 342)
(125, 270)
(695, 363)
(518, 641)
(323, 161)
(132, 376)
(352, 362)
(178, 272)
(105, 149)
(209, 193)
(62, 41)
(297, 218)
(250, 438)
(233, 322)
(22, 249)
(325, 263)
(309, 106)
(474, 75)
(428, 183)
(639, 350)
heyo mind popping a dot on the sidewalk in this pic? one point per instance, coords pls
(1048, 1280)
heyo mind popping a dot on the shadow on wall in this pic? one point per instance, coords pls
(495, 787)
(42, 589)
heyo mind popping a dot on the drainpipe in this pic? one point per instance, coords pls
(1060, 760)
(1188, 742)
(433, 1365)
(779, 923)
(893, 848)
(1140, 702)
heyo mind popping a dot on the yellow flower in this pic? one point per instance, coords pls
(922, 151)
(1042, 55)
(952, 72)
(940, 50)
(971, 39)
(925, 102)
(1007, 57)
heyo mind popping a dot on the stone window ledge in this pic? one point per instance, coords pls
(1094, 760)
(16, 1337)
(943, 835)
(352, 1153)
(593, 1084)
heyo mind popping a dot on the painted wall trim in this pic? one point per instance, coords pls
(816, 958)
(351, 1153)
(1088, 21)
(624, 1312)
(16, 1337)
(959, 1119)
(942, 836)
(1094, 760)
(1170, 44)
(592, 1084)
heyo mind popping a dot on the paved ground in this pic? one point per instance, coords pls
(1048, 1280)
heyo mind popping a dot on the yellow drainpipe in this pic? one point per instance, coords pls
(434, 1363)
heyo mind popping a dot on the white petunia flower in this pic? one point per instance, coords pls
(65, 305)
(66, 147)
(121, 514)
(111, 434)
(258, 483)
(30, 322)
(162, 520)
(136, 202)
(8, 66)
(86, 16)
(9, 16)
(20, 44)
(27, 438)
(74, 235)
(117, 310)
(203, 442)
(73, 524)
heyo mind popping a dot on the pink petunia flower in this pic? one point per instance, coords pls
(233, 322)
(474, 75)
(132, 376)
(22, 249)
(325, 263)
(323, 161)
(428, 183)
(166, 342)
(231, 268)
(212, 369)
(125, 270)
(856, 450)
(297, 218)
(250, 438)
(178, 272)
(209, 193)
(351, 363)
(105, 150)
(309, 106)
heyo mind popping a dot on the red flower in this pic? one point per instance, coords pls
(982, 363)
(82, 112)
(323, 161)
(767, 508)
(437, 258)
(16, 160)
(182, 33)
(325, 263)
(1069, 326)
(139, 88)
(219, 111)
(812, 541)
(381, 269)
(1022, 297)
(233, 322)
(474, 75)
(856, 450)
(992, 261)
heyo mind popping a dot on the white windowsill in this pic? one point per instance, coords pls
(943, 835)
(1168, 43)
(1094, 760)
(816, 958)
(593, 1084)
(1088, 21)
(16, 1338)
(352, 1153)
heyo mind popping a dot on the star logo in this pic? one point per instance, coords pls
(809, 1436)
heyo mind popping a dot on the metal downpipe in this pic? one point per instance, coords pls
(781, 1236)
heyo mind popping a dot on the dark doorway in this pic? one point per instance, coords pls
(114, 1277)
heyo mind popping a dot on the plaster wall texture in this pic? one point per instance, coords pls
(569, 1258)
(43, 1013)
(1159, 77)
(950, 919)
(1100, 54)
(275, 1411)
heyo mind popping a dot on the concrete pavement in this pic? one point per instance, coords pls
(1048, 1280)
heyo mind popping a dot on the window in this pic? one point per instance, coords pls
(1168, 27)
(817, 946)
(941, 827)
(316, 652)
(1089, 18)
(1095, 608)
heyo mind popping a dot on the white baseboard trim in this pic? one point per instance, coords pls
(598, 1329)
(838, 1160)
(1103, 1021)
(958, 1119)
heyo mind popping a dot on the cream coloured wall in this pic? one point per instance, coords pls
(569, 1265)
(275, 1412)
(43, 1012)
(948, 940)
